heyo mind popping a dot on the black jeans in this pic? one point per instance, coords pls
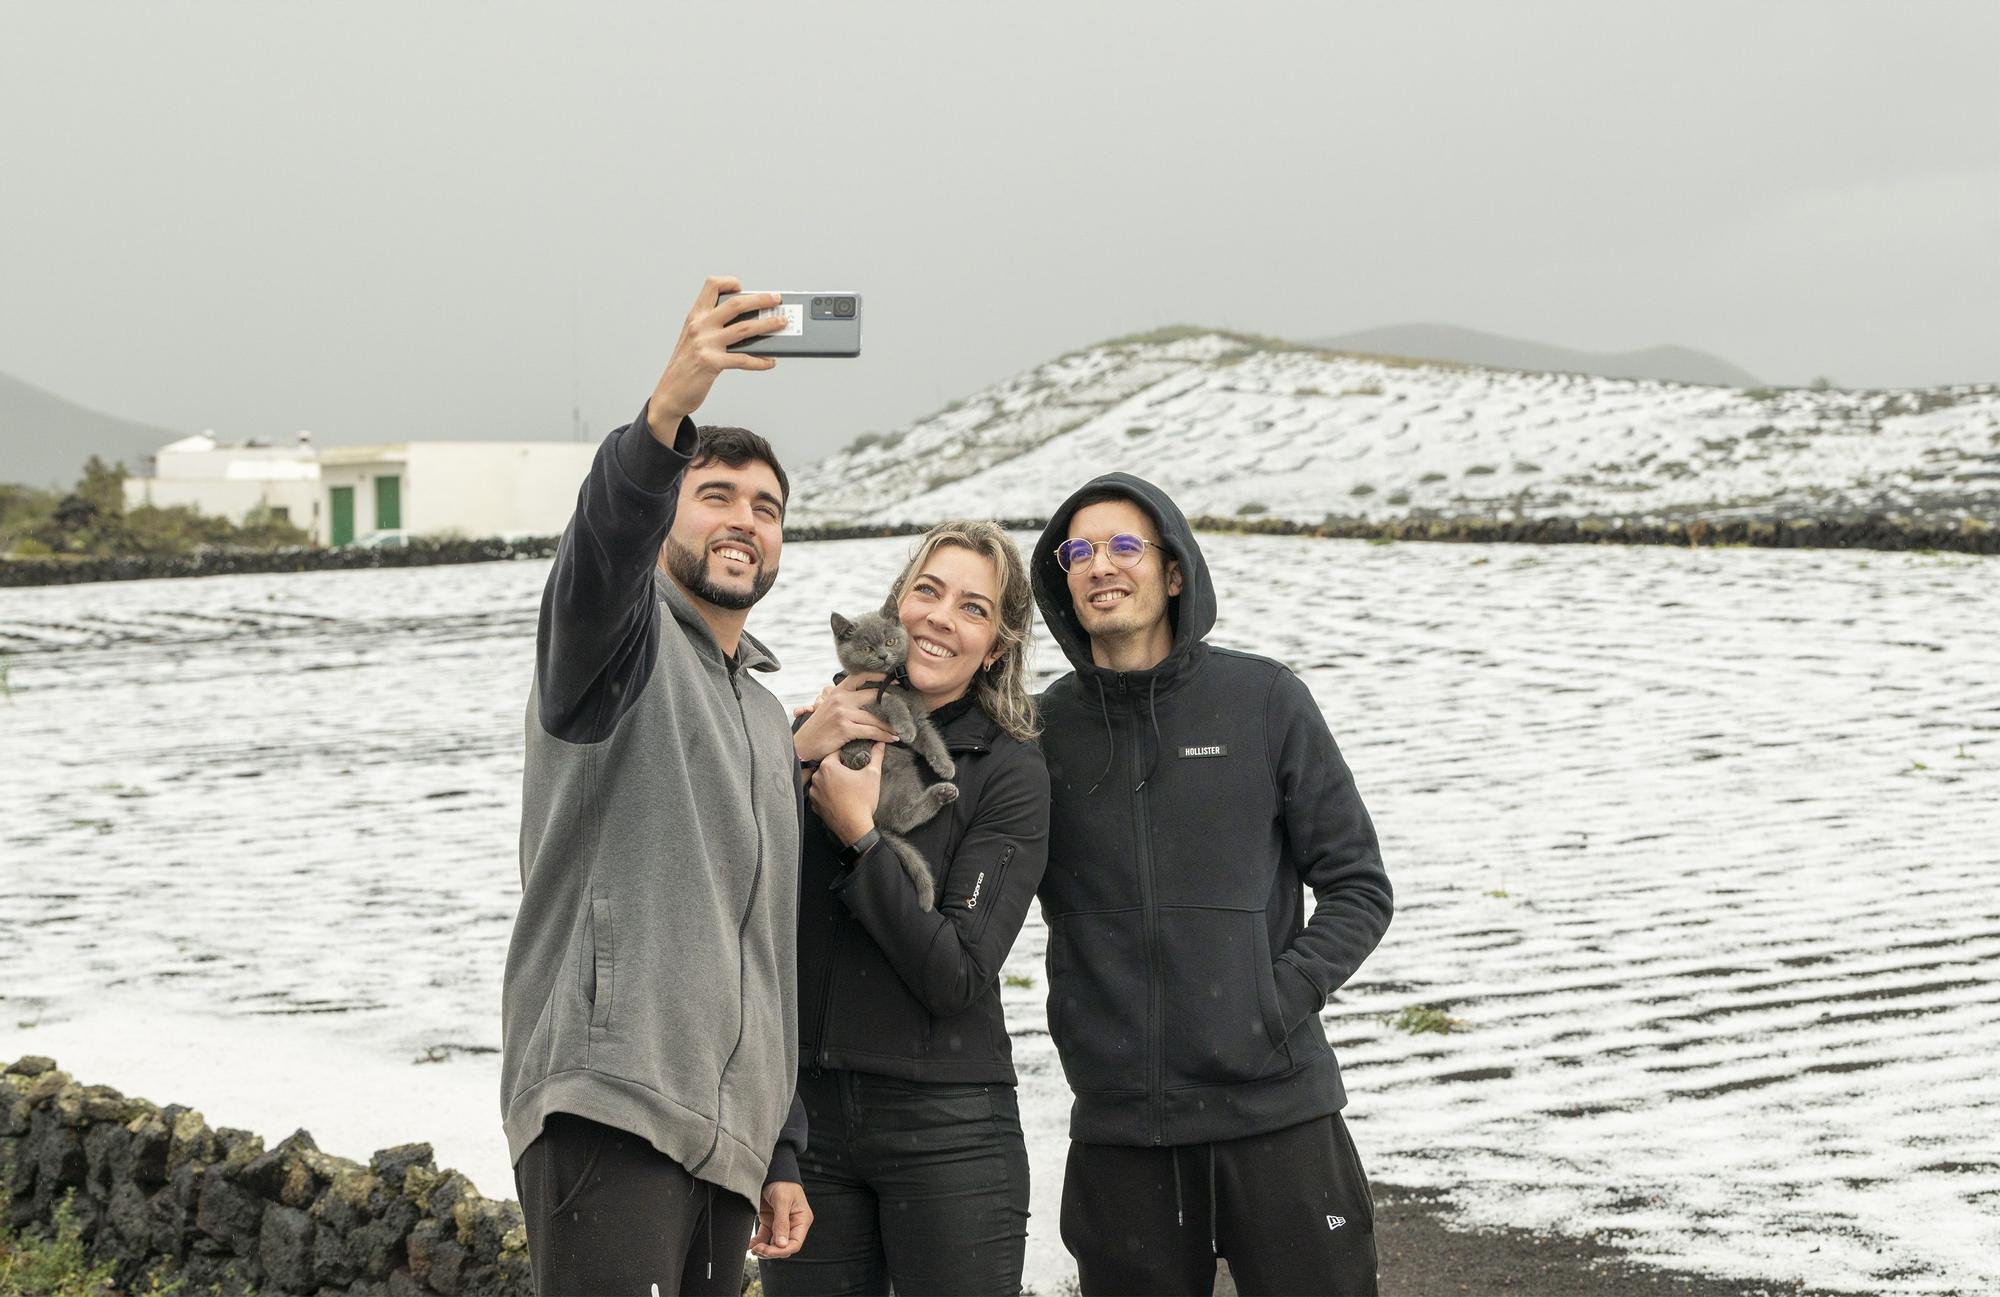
(608, 1213)
(919, 1184)
(1290, 1209)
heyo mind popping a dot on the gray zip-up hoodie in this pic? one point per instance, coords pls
(650, 981)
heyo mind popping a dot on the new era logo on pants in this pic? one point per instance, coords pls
(1335, 1222)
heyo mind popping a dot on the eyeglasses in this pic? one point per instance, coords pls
(1123, 550)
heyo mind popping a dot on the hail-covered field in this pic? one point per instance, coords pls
(1699, 851)
(1242, 427)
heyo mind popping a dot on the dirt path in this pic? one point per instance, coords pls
(1421, 1256)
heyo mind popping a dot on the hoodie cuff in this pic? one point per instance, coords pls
(651, 466)
(1298, 998)
(784, 1167)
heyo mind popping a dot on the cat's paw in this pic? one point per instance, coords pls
(946, 794)
(946, 768)
(855, 755)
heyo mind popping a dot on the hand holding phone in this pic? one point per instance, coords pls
(813, 324)
(703, 351)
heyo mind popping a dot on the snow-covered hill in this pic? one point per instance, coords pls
(1236, 426)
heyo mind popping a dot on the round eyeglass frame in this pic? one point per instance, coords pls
(1069, 565)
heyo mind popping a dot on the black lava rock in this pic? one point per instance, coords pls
(285, 1249)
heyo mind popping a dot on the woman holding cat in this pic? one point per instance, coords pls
(915, 1163)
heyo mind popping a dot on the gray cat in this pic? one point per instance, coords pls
(875, 643)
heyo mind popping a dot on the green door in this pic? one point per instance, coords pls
(388, 504)
(342, 508)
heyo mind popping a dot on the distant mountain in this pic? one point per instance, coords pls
(45, 439)
(1471, 347)
(1238, 426)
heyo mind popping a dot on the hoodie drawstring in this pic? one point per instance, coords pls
(1214, 1250)
(1159, 744)
(1180, 1214)
(1110, 743)
(710, 1213)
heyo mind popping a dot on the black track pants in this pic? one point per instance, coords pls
(917, 1185)
(607, 1213)
(1290, 1210)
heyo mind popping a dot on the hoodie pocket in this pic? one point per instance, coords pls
(1222, 1021)
(603, 963)
(1098, 998)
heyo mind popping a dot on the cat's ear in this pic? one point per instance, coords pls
(889, 608)
(841, 627)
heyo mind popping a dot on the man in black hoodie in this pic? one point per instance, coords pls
(1196, 794)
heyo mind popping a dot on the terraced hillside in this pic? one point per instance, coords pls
(1236, 426)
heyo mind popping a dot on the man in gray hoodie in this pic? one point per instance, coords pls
(650, 1040)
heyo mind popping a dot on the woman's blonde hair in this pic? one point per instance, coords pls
(1002, 689)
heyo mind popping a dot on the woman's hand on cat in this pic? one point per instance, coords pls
(839, 714)
(845, 799)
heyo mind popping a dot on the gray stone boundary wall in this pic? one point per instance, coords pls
(145, 567)
(1875, 533)
(161, 1194)
(1965, 536)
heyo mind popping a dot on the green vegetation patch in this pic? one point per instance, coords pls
(92, 521)
(52, 1266)
(1418, 1019)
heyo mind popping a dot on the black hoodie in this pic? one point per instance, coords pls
(1190, 803)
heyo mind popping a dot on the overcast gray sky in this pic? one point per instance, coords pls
(391, 221)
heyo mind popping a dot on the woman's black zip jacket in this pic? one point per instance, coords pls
(886, 987)
(1193, 804)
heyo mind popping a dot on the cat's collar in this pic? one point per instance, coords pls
(900, 676)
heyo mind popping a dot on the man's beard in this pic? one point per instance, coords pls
(690, 568)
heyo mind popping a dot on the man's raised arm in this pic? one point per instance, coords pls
(597, 638)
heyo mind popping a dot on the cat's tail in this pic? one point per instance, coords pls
(914, 865)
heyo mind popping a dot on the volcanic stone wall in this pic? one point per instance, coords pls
(145, 567)
(1965, 535)
(159, 1192)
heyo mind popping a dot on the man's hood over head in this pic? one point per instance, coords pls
(1192, 611)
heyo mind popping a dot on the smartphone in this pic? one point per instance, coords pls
(819, 324)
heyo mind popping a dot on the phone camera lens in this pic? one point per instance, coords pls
(843, 306)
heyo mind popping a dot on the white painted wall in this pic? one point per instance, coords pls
(474, 489)
(512, 488)
(231, 499)
(230, 481)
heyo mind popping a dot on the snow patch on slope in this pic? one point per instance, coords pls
(1239, 427)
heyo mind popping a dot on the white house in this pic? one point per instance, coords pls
(370, 494)
(231, 481)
